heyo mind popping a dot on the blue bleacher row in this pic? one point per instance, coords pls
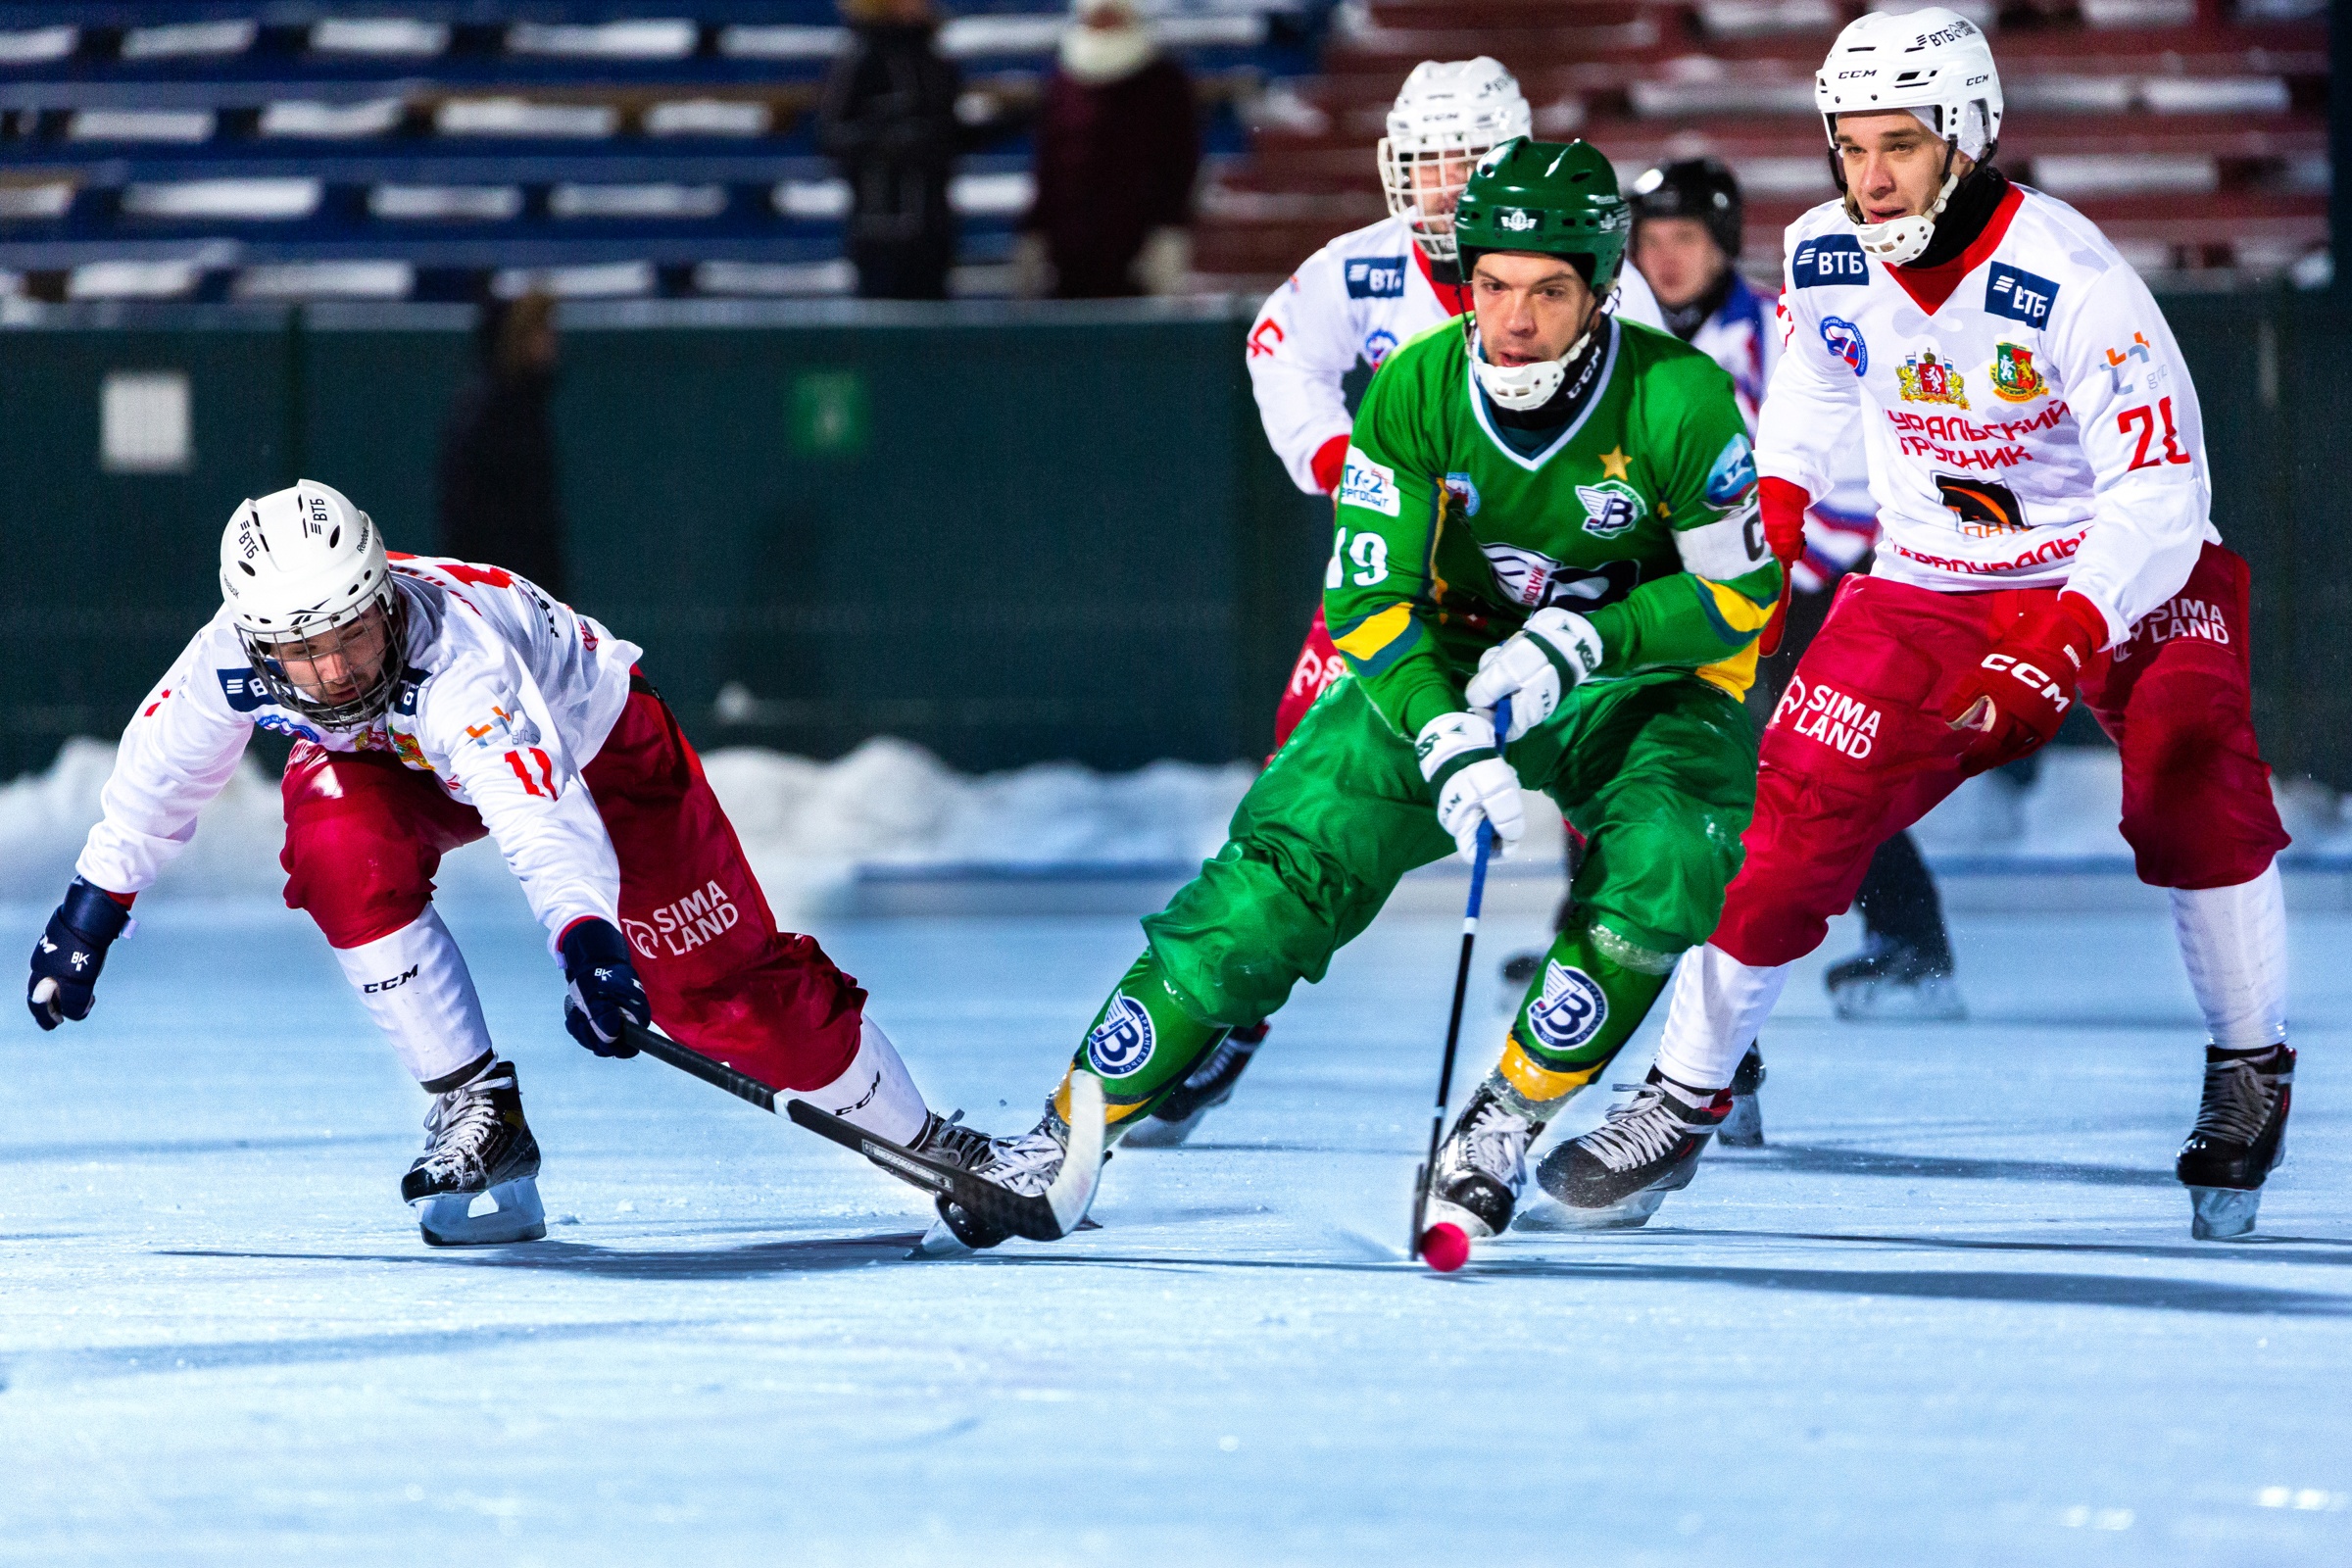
(201, 149)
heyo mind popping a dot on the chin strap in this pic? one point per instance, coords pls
(1900, 240)
(1521, 388)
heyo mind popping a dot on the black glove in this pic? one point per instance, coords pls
(605, 989)
(67, 960)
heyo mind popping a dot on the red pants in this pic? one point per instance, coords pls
(1858, 750)
(364, 836)
(1319, 665)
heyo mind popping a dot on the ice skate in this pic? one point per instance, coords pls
(1482, 1169)
(946, 1138)
(1026, 1164)
(1209, 1086)
(1615, 1176)
(2239, 1139)
(1744, 1127)
(1891, 981)
(475, 1184)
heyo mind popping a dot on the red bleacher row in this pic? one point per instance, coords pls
(2200, 144)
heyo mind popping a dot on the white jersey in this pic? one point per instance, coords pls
(505, 696)
(1842, 525)
(1352, 302)
(2028, 418)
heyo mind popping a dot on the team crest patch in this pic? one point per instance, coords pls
(1925, 379)
(1120, 1045)
(1571, 1010)
(1377, 346)
(2014, 377)
(1611, 508)
(1464, 491)
(1844, 339)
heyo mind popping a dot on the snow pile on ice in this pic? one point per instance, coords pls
(810, 827)
(807, 826)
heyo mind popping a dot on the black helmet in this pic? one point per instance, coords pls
(1696, 188)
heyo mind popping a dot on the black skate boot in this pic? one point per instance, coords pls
(1892, 979)
(1026, 1164)
(1482, 1169)
(1617, 1174)
(946, 1139)
(1205, 1088)
(2239, 1139)
(1743, 1128)
(476, 1183)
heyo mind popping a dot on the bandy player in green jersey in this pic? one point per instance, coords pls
(1541, 504)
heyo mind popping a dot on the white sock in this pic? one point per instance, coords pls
(1719, 1003)
(416, 985)
(2234, 943)
(875, 1092)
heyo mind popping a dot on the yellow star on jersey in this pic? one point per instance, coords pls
(1614, 463)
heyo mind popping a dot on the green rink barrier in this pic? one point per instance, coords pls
(1009, 532)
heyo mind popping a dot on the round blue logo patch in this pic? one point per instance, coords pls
(1844, 339)
(1120, 1045)
(1571, 1010)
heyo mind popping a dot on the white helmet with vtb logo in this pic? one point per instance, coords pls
(299, 566)
(1934, 62)
(1449, 112)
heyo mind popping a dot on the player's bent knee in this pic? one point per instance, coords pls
(358, 879)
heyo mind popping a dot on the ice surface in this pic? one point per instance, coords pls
(1951, 1315)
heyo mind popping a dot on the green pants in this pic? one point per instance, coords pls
(1659, 773)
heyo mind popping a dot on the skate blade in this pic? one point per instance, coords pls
(507, 1213)
(2222, 1214)
(1743, 1128)
(1627, 1213)
(1441, 1212)
(1934, 1001)
(1152, 1131)
(939, 1241)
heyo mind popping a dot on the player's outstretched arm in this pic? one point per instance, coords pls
(70, 953)
(1299, 351)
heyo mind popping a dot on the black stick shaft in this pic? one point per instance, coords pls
(662, 1048)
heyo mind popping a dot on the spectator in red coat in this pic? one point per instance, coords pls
(1117, 147)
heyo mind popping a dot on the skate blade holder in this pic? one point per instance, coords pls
(2223, 1214)
(1627, 1213)
(507, 1213)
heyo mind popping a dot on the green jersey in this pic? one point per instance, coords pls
(1640, 515)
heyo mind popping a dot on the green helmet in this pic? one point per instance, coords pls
(1552, 197)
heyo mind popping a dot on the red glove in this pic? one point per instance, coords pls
(2018, 695)
(1330, 463)
(1784, 506)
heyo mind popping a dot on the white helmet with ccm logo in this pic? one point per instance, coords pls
(1449, 112)
(1935, 63)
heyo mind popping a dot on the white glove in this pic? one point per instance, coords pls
(1472, 782)
(1535, 667)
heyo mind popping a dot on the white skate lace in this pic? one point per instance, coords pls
(1495, 1142)
(2236, 1101)
(459, 1125)
(946, 1138)
(1637, 1133)
(1026, 1164)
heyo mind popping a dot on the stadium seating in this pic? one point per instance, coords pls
(2194, 132)
(279, 149)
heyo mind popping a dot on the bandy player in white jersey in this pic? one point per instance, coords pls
(1350, 303)
(2039, 469)
(431, 703)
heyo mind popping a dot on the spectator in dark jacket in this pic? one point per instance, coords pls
(1117, 148)
(497, 498)
(888, 120)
